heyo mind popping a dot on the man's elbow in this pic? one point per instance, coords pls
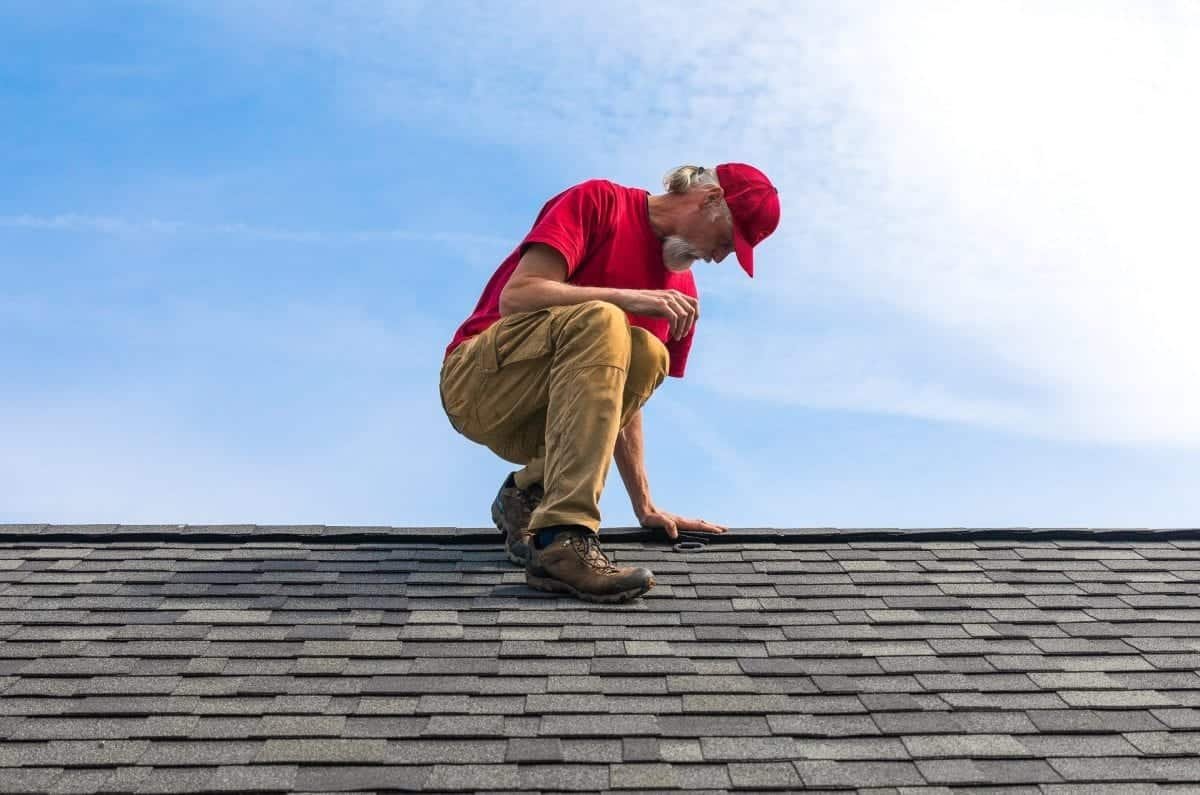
(516, 297)
(506, 302)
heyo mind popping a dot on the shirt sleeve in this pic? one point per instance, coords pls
(572, 221)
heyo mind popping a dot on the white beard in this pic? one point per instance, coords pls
(679, 254)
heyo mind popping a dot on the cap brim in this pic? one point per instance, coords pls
(744, 252)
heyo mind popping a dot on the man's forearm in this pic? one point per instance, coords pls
(531, 294)
(631, 463)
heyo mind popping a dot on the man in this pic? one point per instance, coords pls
(573, 333)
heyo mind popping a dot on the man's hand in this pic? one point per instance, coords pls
(673, 523)
(681, 309)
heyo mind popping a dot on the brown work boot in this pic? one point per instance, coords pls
(574, 563)
(511, 511)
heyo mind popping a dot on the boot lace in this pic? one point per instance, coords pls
(587, 546)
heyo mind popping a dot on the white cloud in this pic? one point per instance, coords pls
(1008, 186)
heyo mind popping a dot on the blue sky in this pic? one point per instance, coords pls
(235, 239)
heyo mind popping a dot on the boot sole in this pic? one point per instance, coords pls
(517, 559)
(498, 516)
(558, 586)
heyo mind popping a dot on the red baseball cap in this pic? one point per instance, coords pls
(754, 203)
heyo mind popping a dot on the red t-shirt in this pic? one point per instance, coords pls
(603, 231)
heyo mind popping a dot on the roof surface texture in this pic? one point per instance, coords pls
(319, 659)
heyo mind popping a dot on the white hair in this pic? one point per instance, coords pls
(684, 178)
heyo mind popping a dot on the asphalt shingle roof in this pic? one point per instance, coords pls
(255, 659)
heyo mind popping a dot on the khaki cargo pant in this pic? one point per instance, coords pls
(550, 389)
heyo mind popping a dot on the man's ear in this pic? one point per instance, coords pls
(710, 193)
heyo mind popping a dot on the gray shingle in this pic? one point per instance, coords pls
(804, 725)
(971, 745)
(13, 685)
(221, 727)
(640, 749)
(521, 725)
(516, 685)
(830, 773)
(529, 666)
(310, 751)
(642, 776)
(473, 777)
(176, 779)
(1098, 721)
(1166, 769)
(865, 748)
(592, 750)
(544, 648)
(609, 685)
(343, 778)
(454, 666)
(953, 722)
(564, 777)
(212, 752)
(534, 749)
(1183, 718)
(408, 726)
(301, 726)
(764, 774)
(77, 779)
(723, 749)
(789, 666)
(566, 702)
(444, 751)
(253, 778)
(465, 725)
(166, 726)
(713, 725)
(991, 772)
(640, 665)
(673, 750)
(1029, 701)
(1095, 745)
(702, 778)
(387, 705)
(742, 703)
(401, 685)
(1116, 698)
(1160, 743)
(658, 705)
(599, 725)
(75, 666)
(230, 705)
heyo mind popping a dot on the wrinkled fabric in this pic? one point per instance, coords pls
(550, 389)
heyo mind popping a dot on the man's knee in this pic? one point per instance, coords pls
(603, 315)
(649, 362)
(599, 334)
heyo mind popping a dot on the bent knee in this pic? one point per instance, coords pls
(601, 320)
(649, 361)
(603, 312)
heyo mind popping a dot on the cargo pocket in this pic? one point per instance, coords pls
(516, 338)
(513, 354)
